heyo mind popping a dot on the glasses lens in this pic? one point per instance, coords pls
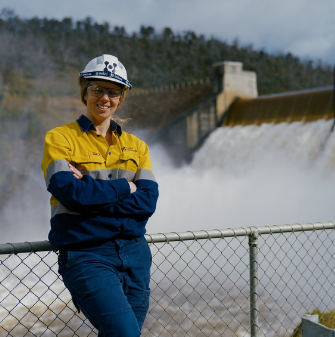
(114, 92)
(96, 90)
(100, 91)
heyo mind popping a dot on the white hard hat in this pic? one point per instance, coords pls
(107, 68)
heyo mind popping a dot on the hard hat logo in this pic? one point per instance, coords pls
(106, 67)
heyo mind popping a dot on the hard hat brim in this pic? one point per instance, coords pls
(110, 77)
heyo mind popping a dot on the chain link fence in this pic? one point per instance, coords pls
(255, 281)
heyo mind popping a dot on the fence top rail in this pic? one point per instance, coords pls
(42, 246)
(246, 231)
(25, 247)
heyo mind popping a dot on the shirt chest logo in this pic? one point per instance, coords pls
(131, 149)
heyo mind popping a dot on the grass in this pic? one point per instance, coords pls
(325, 318)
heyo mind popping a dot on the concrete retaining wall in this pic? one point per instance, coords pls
(312, 328)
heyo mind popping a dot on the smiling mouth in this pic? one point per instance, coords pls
(103, 107)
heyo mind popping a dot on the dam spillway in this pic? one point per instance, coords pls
(305, 106)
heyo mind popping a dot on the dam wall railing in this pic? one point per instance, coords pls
(253, 281)
(166, 88)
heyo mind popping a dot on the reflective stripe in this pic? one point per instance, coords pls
(60, 209)
(106, 174)
(120, 173)
(62, 165)
(56, 166)
(144, 174)
(110, 174)
(96, 174)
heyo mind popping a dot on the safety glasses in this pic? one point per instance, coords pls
(99, 91)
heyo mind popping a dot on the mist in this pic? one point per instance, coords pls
(242, 176)
(25, 216)
(249, 176)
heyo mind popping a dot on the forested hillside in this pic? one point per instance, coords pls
(42, 55)
(40, 60)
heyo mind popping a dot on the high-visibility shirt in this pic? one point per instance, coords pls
(99, 206)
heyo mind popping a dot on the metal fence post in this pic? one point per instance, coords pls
(29, 283)
(253, 248)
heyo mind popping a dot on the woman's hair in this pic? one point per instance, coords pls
(83, 82)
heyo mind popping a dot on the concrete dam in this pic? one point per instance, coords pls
(232, 100)
(304, 106)
(256, 161)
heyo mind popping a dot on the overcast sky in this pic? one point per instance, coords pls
(305, 28)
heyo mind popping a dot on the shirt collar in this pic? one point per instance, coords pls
(85, 125)
(116, 127)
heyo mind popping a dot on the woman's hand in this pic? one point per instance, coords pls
(77, 174)
(132, 186)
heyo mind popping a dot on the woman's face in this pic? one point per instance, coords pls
(101, 108)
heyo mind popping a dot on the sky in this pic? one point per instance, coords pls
(306, 28)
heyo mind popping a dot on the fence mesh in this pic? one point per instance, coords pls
(200, 287)
(296, 276)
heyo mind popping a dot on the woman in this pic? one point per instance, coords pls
(103, 192)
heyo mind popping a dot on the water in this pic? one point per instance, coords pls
(242, 176)
(249, 176)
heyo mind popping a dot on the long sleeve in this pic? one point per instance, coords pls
(143, 201)
(99, 206)
(77, 195)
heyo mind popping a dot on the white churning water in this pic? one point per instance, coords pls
(242, 176)
(260, 176)
(250, 176)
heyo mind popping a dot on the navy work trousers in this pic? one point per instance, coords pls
(110, 284)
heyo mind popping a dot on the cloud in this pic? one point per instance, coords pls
(303, 27)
